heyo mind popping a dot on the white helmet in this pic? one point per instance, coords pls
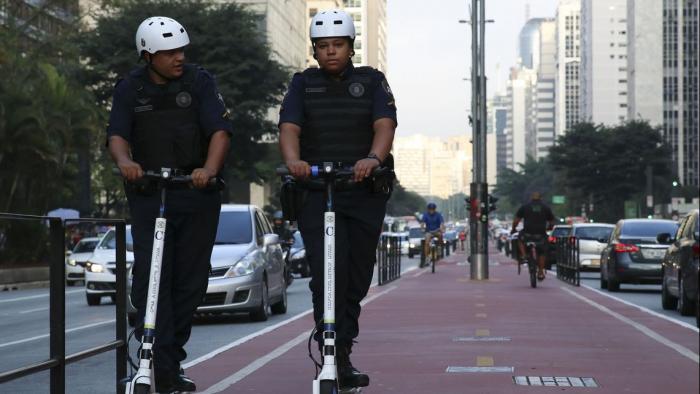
(160, 33)
(333, 23)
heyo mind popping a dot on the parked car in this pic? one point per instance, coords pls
(297, 257)
(247, 267)
(558, 231)
(679, 286)
(633, 254)
(415, 236)
(76, 259)
(592, 239)
(101, 267)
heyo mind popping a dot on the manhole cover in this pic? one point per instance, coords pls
(557, 381)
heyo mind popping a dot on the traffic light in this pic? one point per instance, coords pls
(492, 200)
(468, 200)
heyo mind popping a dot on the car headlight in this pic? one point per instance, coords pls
(72, 262)
(241, 268)
(299, 255)
(94, 267)
(411, 245)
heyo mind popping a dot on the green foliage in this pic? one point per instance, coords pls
(404, 203)
(606, 165)
(224, 39)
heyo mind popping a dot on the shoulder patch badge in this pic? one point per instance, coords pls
(387, 89)
(356, 89)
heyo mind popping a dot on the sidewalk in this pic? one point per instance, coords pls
(489, 332)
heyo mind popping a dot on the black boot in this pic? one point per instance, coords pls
(348, 376)
(183, 383)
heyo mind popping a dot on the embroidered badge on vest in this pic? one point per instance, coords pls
(356, 89)
(183, 99)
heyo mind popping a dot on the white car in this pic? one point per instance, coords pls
(415, 236)
(100, 269)
(75, 261)
(592, 238)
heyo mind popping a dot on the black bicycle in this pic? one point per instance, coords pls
(531, 243)
(433, 253)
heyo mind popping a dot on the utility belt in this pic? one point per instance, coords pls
(294, 192)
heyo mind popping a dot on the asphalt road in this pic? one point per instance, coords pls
(24, 328)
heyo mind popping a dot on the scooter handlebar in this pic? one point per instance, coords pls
(319, 172)
(166, 175)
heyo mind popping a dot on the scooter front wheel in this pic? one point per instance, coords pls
(329, 387)
(142, 389)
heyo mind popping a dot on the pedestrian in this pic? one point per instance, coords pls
(169, 114)
(342, 114)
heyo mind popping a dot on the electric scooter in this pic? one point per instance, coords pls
(143, 382)
(326, 382)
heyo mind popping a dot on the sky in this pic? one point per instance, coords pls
(429, 54)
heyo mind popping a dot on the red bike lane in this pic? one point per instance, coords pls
(485, 333)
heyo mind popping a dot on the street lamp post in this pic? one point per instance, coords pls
(479, 267)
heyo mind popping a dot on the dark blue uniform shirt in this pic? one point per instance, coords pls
(212, 110)
(292, 110)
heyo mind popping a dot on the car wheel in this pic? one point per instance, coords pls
(603, 282)
(131, 319)
(93, 299)
(685, 306)
(668, 301)
(280, 307)
(262, 312)
(613, 285)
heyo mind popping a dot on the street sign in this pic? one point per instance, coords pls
(558, 200)
(630, 209)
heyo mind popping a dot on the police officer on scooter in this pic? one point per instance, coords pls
(346, 115)
(170, 114)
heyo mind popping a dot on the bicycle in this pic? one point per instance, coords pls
(433, 253)
(531, 259)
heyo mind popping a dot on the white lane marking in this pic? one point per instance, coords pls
(643, 309)
(255, 365)
(2, 345)
(38, 296)
(34, 310)
(254, 335)
(420, 273)
(644, 329)
(279, 351)
(245, 339)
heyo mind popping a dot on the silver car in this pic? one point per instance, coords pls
(593, 238)
(247, 266)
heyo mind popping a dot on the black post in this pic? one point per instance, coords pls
(57, 306)
(121, 352)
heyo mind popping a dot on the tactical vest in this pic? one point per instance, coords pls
(166, 129)
(338, 117)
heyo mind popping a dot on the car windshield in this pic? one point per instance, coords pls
(416, 232)
(648, 229)
(234, 228)
(109, 241)
(593, 232)
(298, 242)
(85, 246)
(561, 231)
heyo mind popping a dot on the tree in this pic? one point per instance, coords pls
(225, 39)
(404, 202)
(604, 166)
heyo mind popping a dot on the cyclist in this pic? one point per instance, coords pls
(434, 226)
(537, 217)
